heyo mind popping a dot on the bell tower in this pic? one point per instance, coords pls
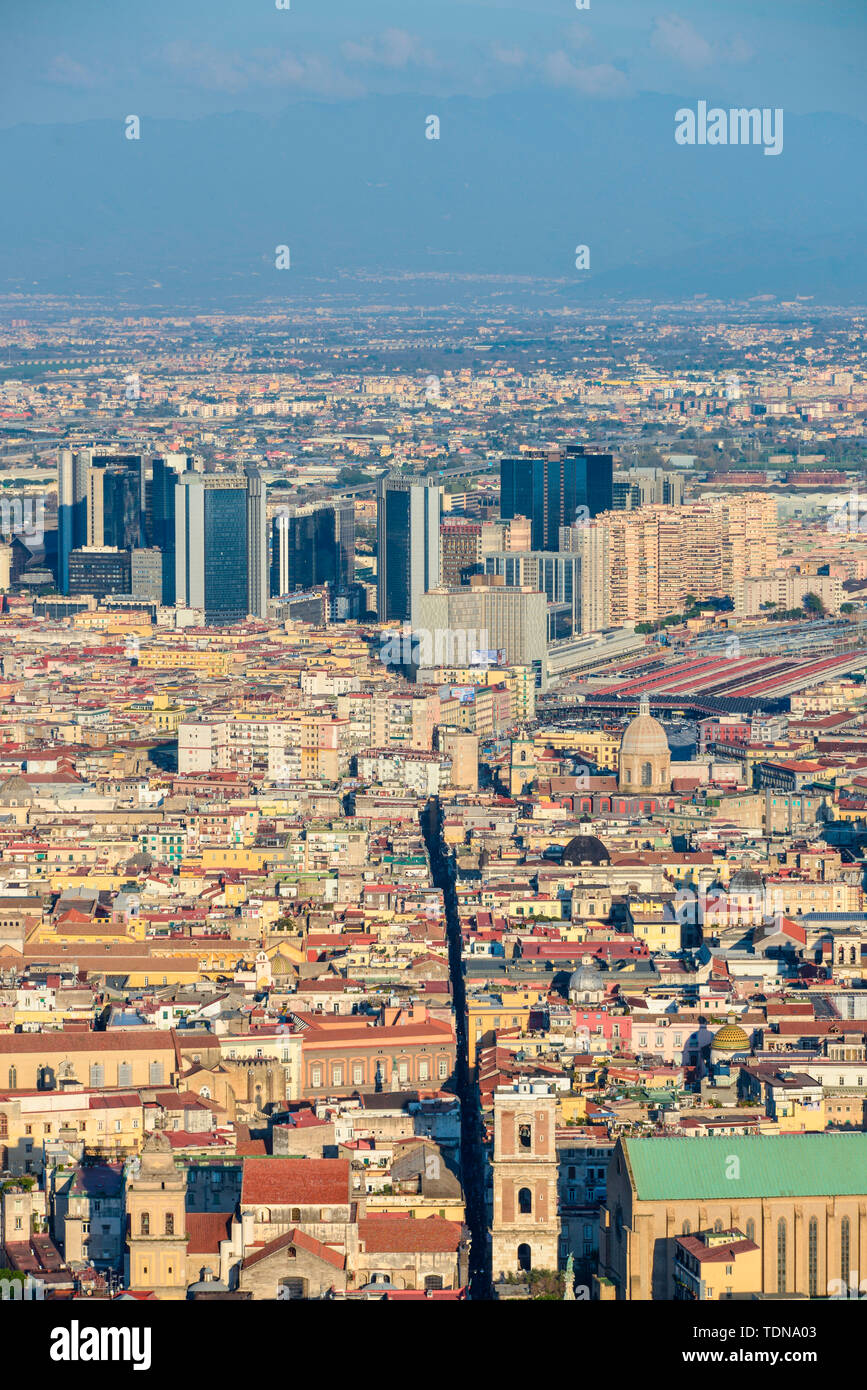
(522, 763)
(156, 1209)
(526, 1224)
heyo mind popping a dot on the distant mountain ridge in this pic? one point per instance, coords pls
(511, 188)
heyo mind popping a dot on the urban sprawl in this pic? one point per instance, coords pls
(433, 803)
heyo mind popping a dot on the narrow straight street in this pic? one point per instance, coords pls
(472, 1159)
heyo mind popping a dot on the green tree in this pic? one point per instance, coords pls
(813, 605)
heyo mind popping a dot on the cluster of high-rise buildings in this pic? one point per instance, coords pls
(363, 934)
(163, 531)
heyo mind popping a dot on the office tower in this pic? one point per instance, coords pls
(408, 515)
(115, 512)
(100, 502)
(167, 468)
(459, 626)
(72, 470)
(211, 545)
(257, 545)
(645, 487)
(460, 552)
(557, 575)
(554, 488)
(146, 574)
(99, 570)
(311, 546)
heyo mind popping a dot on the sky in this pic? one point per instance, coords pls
(63, 62)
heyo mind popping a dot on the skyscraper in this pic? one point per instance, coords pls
(72, 469)
(100, 502)
(167, 468)
(554, 488)
(460, 552)
(313, 545)
(257, 545)
(211, 539)
(115, 503)
(408, 514)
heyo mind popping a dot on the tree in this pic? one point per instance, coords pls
(813, 605)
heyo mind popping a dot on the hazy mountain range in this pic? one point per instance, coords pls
(512, 186)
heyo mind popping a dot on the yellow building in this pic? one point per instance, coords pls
(486, 1014)
(801, 1198)
(109, 1124)
(716, 1264)
(155, 1207)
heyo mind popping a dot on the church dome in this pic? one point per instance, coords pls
(746, 880)
(586, 977)
(644, 763)
(730, 1038)
(585, 849)
(644, 735)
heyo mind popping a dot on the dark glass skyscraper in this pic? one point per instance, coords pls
(100, 502)
(408, 514)
(551, 486)
(211, 545)
(313, 545)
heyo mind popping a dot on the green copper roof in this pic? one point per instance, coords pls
(788, 1165)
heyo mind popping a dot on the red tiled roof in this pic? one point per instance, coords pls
(302, 1239)
(295, 1181)
(382, 1235)
(205, 1230)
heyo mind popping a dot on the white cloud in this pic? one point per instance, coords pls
(226, 71)
(676, 38)
(395, 48)
(69, 72)
(597, 80)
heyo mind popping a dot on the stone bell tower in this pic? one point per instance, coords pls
(522, 764)
(156, 1209)
(526, 1224)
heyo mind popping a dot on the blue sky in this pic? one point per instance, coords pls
(95, 59)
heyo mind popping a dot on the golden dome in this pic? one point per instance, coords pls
(730, 1038)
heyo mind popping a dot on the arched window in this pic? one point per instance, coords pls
(170, 1223)
(4, 1125)
(145, 1228)
(13, 1078)
(781, 1255)
(813, 1256)
(751, 1230)
(646, 775)
(844, 1250)
(295, 1214)
(525, 1201)
(525, 1136)
(687, 1228)
(717, 1225)
(433, 1281)
(524, 1258)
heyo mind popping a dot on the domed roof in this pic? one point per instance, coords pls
(644, 735)
(585, 849)
(730, 1038)
(746, 880)
(586, 977)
